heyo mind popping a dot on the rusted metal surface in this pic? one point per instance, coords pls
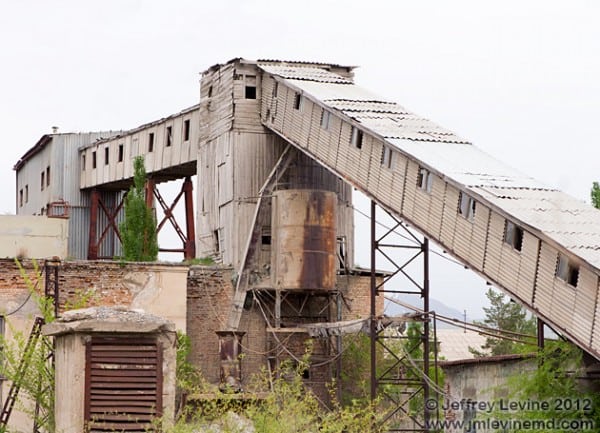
(111, 214)
(304, 241)
(123, 384)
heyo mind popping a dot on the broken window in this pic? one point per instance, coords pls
(386, 156)
(298, 101)
(186, 130)
(356, 137)
(513, 235)
(566, 270)
(250, 92)
(120, 153)
(151, 142)
(466, 206)
(94, 159)
(425, 179)
(325, 119)
(169, 137)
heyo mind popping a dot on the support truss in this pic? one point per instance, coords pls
(402, 378)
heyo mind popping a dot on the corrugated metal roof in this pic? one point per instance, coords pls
(311, 73)
(569, 222)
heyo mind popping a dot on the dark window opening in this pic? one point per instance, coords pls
(265, 238)
(151, 142)
(106, 155)
(425, 179)
(356, 137)
(169, 137)
(21, 198)
(120, 153)
(567, 270)
(466, 206)
(250, 92)
(48, 176)
(26, 193)
(513, 235)
(186, 130)
(210, 91)
(94, 159)
(43, 181)
(275, 89)
(297, 101)
(217, 245)
(83, 162)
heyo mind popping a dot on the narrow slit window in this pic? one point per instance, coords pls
(466, 206)
(42, 180)
(325, 119)
(151, 142)
(567, 271)
(210, 91)
(356, 138)
(425, 179)
(120, 153)
(250, 92)
(186, 130)
(83, 162)
(513, 235)
(275, 89)
(217, 241)
(26, 193)
(21, 198)
(169, 137)
(48, 176)
(106, 156)
(298, 101)
(386, 157)
(94, 159)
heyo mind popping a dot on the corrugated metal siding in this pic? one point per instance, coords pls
(527, 267)
(544, 287)
(585, 304)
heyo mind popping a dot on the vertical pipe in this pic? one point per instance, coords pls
(190, 243)
(338, 342)
(277, 308)
(373, 305)
(425, 249)
(540, 334)
(93, 236)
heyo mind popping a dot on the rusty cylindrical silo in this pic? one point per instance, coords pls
(304, 240)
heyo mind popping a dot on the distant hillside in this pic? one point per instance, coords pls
(392, 309)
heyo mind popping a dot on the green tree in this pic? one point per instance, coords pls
(138, 229)
(505, 315)
(595, 193)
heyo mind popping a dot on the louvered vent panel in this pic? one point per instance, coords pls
(123, 384)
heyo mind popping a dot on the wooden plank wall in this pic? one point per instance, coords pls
(528, 275)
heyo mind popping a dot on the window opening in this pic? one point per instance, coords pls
(425, 179)
(356, 138)
(169, 137)
(466, 206)
(513, 235)
(297, 101)
(186, 130)
(386, 157)
(151, 142)
(567, 271)
(325, 119)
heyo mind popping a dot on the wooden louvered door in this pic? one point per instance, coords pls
(123, 384)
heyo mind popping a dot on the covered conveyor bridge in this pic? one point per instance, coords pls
(541, 246)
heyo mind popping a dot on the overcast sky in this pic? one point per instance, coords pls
(520, 79)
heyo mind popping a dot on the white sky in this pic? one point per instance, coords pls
(520, 79)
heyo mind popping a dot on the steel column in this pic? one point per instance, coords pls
(190, 244)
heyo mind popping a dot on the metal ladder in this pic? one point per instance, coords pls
(15, 387)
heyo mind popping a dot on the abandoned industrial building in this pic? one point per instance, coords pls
(277, 148)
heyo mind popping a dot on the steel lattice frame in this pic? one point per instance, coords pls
(401, 380)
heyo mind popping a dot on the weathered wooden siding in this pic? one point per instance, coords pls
(527, 274)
